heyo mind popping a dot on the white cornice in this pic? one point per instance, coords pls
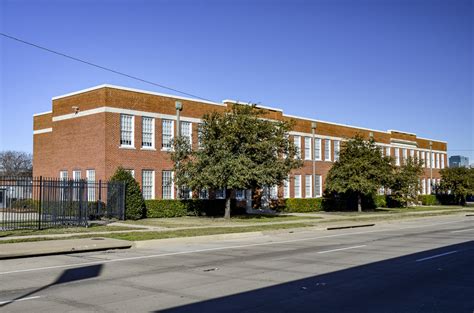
(43, 113)
(42, 131)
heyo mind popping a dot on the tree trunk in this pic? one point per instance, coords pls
(227, 204)
(359, 203)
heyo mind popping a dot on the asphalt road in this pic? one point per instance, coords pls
(425, 265)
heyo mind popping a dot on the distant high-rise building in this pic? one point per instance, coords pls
(458, 161)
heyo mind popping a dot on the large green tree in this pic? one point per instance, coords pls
(405, 182)
(239, 149)
(458, 181)
(360, 170)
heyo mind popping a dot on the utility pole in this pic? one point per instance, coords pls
(313, 132)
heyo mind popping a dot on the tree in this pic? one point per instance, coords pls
(360, 170)
(405, 184)
(458, 181)
(239, 149)
(16, 163)
(134, 202)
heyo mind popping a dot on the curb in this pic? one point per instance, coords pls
(350, 226)
(55, 247)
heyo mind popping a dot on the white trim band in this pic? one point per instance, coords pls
(42, 131)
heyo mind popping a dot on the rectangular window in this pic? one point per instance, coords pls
(286, 188)
(308, 186)
(186, 132)
(337, 148)
(317, 149)
(405, 155)
(397, 156)
(185, 193)
(442, 160)
(240, 194)
(76, 175)
(220, 193)
(318, 186)
(90, 175)
(412, 153)
(387, 151)
(167, 185)
(437, 160)
(423, 186)
(422, 156)
(148, 184)
(63, 175)
(297, 186)
(167, 133)
(148, 132)
(274, 192)
(432, 160)
(132, 172)
(327, 150)
(203, 194)
(297, 141)
(307, 148)
(126, 130)
(428, 186)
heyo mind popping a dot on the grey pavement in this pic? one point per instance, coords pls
(422, 265)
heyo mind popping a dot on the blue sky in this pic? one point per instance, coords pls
(405, 65)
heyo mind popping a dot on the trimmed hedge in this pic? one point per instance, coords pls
(195, 207)
(297, 205)
(165, 208)
(428, 199)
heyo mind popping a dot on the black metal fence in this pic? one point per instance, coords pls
(37, 203)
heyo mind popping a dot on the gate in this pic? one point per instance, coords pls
(37, 203)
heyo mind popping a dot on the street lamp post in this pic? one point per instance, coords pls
(431, 167)
(179, 108)
(313, 132)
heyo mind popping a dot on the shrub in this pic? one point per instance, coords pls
(446, 199)
(29, 205)
(428, 199)
(380, 201)
(134, 203)
(165, 208)
(297, 205)
(393, 202)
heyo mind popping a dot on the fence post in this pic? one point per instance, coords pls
(40, 202)
(99, 203)
(124, 188)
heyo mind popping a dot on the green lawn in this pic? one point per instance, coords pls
(66, 230)
(192, 221)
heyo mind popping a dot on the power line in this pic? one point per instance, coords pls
(101, 67)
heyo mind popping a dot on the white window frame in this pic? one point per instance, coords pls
(317, 149)
(297, 143)
(220, 193)
(432, 158)
(145, 194)
(167, 146)
(437, 160)
(307, 148)
(308, 186)
(327, 150)
(297, 186)
(90, 177)
(387, 151)
(412, 153)
(337, 149)
(240, 194)
(152, 147)
(274, 192)
(63, 175)
(286, 188)
(132, 125)
(204, 194)
(171, 186)
(319, 182)
(405, 155)
(423, 186)
(442, 160)
(76, 175)
(189, 135)
(132, 172)
(423, 158)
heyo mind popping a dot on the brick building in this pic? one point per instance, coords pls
(89, 133)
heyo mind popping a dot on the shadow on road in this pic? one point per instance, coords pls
(70, 275)
(438, 280)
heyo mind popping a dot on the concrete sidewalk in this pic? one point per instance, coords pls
(39, 248)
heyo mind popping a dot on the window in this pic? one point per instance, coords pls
(423, 158)
(423, 186)
(220, 193)
(186, 132)
(132, 172)
(337, 148)
(318, 186)
(126, 130)
(76, 175)
(432, 159)
(167, 185)
(412, 153)
(148, 184)
(63, 175)
(297, 141)
(203, 194)
(405, 155)
(428, 186)
(240, 194)
(148, 132)
(442, 160)
(274, 192)
(317, 149)
(397, 156)
(286, 188)
(185, 193)
(437, 160)
(327, 150)
(90, 175)
(307, 148)
(297, 186)
(387, 151)
(308, 186)
(199, 132)
(167, 134)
